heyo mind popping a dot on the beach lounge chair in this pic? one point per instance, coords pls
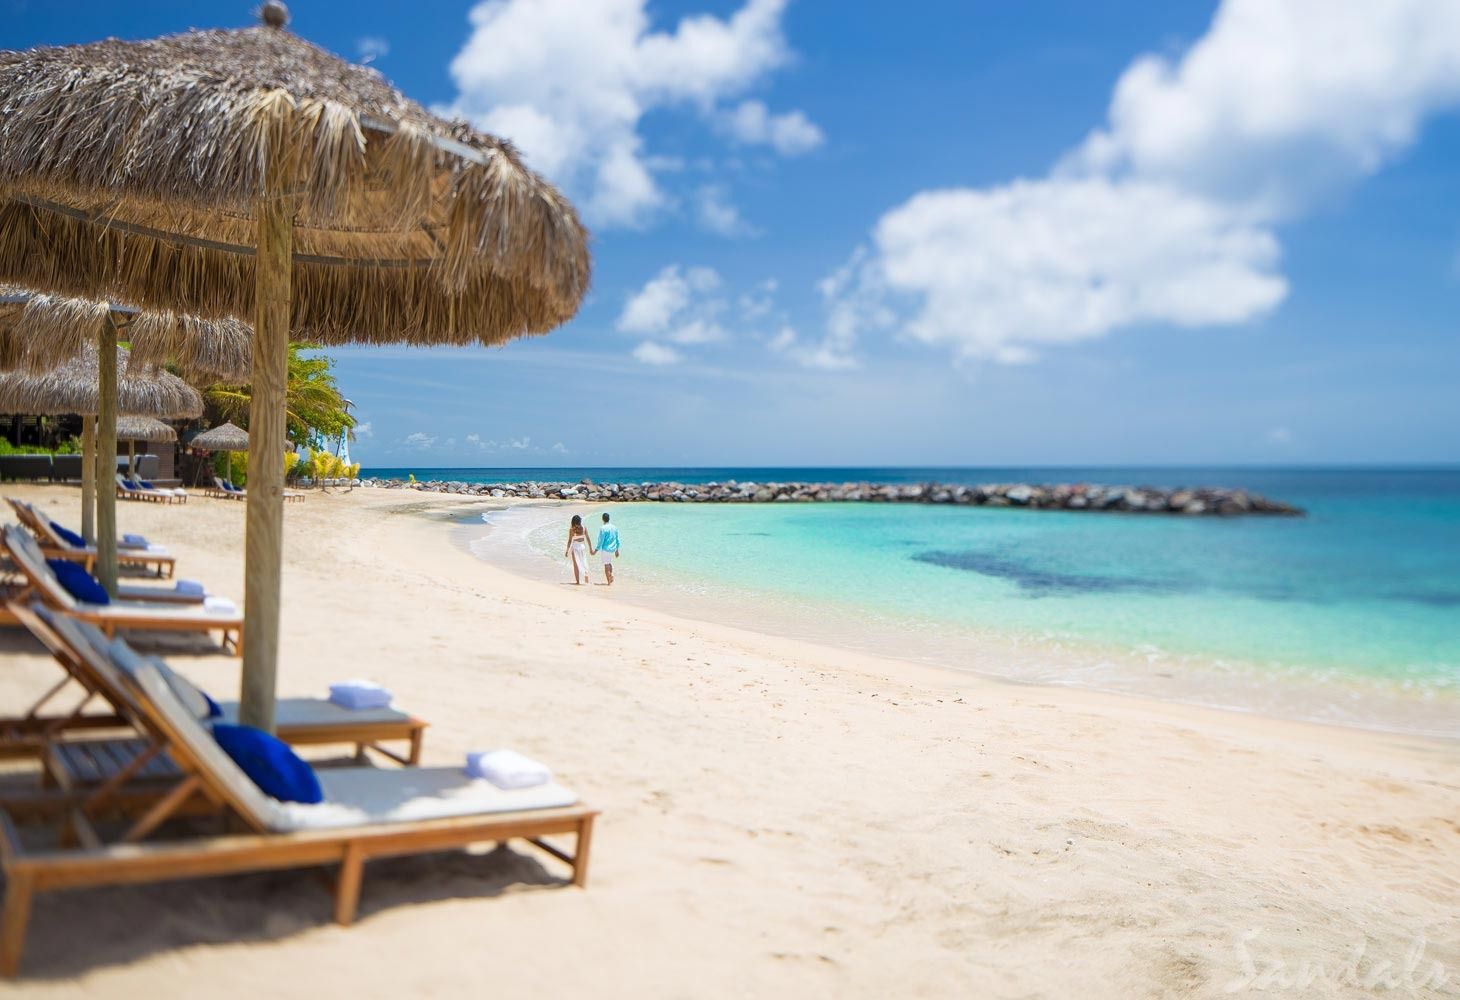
(132, 489)
(299, 721)
(226, 491)
(213, 615)
(138, 554)
(366, 813)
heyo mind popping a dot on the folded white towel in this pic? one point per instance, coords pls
(219, 604)
(507, 769)
(156, 550)
(359, 695)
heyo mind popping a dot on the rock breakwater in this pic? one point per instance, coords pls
(1192, 501)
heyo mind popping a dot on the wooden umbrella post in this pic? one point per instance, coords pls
(106, 457)
(264, 544)
(88, 479)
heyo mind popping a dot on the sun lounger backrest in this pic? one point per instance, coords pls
(170, 718)
(27, 555)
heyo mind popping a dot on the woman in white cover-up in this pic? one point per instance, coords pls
(579, 549)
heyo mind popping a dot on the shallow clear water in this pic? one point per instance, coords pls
(1360, 599)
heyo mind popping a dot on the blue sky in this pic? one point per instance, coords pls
(954, 233)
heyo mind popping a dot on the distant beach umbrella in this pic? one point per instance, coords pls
(224, 437)
(134, 429)
(248, 173)
(80, 386)
(227, 437)
(144, 429)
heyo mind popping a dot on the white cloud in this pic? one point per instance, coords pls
(651, 353)
(679, 306)
(559, 449)
(789, 134)
(372, 47)
(569, 83)
(420, 440)
(362, 431)
(757, 304)
(828, 355)
(1279, 103)
(718, 215)
(1165, 214)
(1002, 272)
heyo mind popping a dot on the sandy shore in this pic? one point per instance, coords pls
(779, 819)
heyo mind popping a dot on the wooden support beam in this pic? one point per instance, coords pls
(88, 479)
(106, 458)
(264, 544)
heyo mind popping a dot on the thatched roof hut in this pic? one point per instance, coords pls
(74, 388)
(145, 162)
(224, 437)
(132, 428)
(39, 332)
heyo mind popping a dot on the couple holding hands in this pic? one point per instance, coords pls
(580, 547)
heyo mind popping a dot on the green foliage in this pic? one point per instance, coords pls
(313, 403)
(69, 446)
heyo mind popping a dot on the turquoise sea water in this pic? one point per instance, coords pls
(1356, 605)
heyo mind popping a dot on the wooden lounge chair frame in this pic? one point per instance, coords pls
(97, 863)
(48, 590)
(32, 732)
(53, 546)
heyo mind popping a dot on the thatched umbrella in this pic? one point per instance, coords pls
(133, 429)
(249, 173)
(40, 332)
(225, 437)
(80, 386)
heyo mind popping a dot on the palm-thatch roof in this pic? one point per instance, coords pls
(224, 437)
(139, 165)
(40, 332)
(132, 428)
(73, 388)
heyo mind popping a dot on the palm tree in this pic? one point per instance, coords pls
(313, 403)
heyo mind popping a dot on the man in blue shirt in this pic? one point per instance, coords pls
(608, 548)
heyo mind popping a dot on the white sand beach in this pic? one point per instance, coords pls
(778, 819)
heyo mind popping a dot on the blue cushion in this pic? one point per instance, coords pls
(276, 769)
(137, 541)
(77, 582)
(215, 712)
(68, 536)
(146, 485)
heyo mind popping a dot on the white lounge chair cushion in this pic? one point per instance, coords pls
(357, 796)
(316, 712)
(120, 611)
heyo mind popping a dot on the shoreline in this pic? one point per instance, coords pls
(779, 817)
(1293, 694)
